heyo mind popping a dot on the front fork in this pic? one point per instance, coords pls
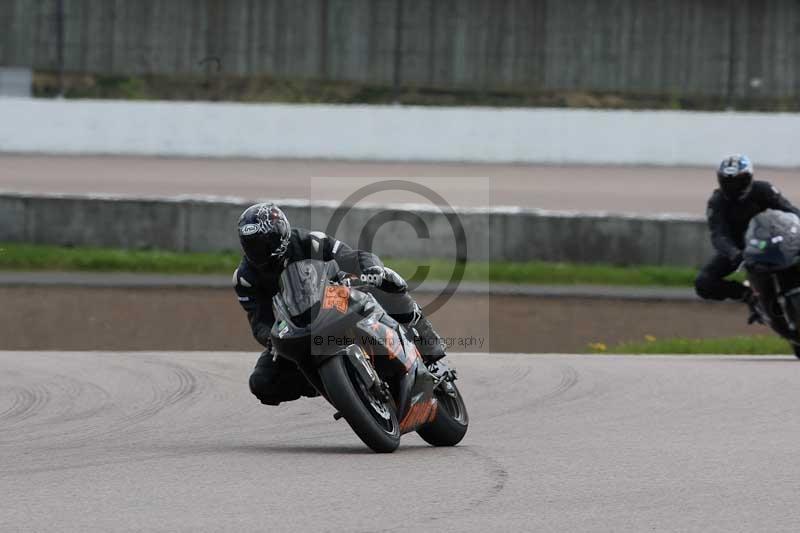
(366, 372)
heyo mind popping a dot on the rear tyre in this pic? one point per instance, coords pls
(451, 422)
(373, 420)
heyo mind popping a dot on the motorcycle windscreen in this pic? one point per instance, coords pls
(302, 286)
(772, 241)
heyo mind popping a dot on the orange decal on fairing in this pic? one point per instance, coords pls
(434, 409)
(419, 414)
(411, 352)
(390, 343)
(336, 298)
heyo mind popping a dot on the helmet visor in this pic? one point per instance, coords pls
(735, 186)
(264, 250)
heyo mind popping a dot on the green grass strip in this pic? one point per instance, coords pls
(543, 273)
(751, 345)
(27, 257)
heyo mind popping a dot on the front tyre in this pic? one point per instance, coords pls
(452, 420)
(373, 420)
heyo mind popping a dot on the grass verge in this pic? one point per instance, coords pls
(751, 345)
(27, 257)
(226, 87)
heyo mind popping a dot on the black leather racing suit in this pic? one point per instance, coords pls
(728, 220)
(277, 381)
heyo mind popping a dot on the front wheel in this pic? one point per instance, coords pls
(452, 420)
(372, 419)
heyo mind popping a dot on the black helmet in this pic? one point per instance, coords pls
(735, 176)
(264, 232)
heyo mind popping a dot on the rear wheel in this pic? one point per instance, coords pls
(452, 420)
(371, 418)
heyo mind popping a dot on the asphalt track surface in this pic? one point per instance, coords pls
(626, 189)
(94, 441)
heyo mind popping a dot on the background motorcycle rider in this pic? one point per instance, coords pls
(730, 208)
(270, 244)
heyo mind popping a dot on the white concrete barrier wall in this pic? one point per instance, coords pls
(394, 132)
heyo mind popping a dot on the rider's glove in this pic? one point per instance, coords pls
(385, 279)
(374, 275)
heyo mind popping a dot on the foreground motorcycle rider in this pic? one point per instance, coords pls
(270, 244)
(737, 200)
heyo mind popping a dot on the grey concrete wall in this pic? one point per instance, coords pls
(15, 82)
(203, 225)
(743, 48)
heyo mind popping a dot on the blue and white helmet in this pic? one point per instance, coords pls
(735, 176)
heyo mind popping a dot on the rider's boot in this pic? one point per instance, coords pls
(750, 298)
(275, 380)
(430, 344)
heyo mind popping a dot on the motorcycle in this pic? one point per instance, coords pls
(363, 361)
(772, 263)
